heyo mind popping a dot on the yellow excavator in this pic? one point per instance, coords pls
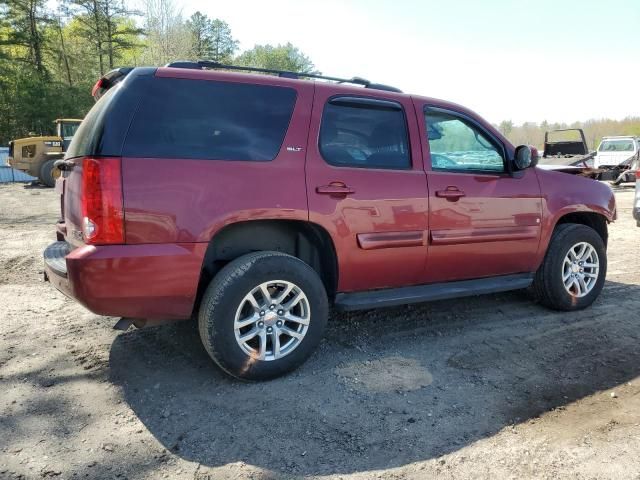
(36, 155)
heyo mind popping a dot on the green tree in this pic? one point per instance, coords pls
(25, 21)
(106, 25)
(199, 27)
(281, 57)
(212, 39)
(223, 43)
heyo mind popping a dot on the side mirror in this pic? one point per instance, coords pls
(523, 157)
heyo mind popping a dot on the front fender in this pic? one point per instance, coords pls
(564, 194)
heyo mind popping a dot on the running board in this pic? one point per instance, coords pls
(436, 291)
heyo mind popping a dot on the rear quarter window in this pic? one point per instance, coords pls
(210, 120)
(89, 134)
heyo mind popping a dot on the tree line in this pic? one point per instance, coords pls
(51, 53)
(530, 133)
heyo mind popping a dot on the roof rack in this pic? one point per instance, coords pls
(206, 64)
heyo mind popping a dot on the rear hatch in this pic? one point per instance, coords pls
(91, 181)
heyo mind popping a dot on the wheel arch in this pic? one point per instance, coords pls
(594, 220)
(307, 241)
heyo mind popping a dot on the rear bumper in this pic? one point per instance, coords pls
(157, 281)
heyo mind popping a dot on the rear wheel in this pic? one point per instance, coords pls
(49, 173)
(263, 315)
(573, 271)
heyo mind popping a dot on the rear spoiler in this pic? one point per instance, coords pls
(110, 79)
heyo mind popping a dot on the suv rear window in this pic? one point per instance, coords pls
(198, 119)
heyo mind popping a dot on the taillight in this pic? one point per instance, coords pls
(102, 207)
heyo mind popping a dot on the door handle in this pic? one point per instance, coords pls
(337, 189)
(450, 193)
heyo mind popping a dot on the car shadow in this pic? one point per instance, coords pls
(491, 361)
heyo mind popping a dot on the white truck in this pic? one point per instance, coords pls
(618, 158)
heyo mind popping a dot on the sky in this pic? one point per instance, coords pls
(562, 60)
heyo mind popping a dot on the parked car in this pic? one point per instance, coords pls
(615, 158)
(253, 202)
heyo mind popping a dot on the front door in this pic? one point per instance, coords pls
(484, 221)
(367, 187)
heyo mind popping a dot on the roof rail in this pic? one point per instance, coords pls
(207, 64)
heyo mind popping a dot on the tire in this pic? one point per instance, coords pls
(549, 285)
(47, 176)
(225, 304)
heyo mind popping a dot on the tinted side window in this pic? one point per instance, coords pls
(456, 144)
(199, 119)
(360, 132)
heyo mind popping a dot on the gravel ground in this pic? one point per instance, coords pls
(487, 387)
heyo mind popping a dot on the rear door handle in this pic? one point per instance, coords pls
(336, 189)
(450, 193)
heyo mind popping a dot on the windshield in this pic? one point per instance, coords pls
(616, 146)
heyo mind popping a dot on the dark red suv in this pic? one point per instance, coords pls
(255, 201)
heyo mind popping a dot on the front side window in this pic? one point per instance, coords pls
(210, 120)
(456, 144)
(362, 132)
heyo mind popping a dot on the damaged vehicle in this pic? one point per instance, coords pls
(252, 202)
(618, 159)
(566, 147)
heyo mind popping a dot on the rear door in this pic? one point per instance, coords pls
(483, 221)
(366, 186)
(207, 149)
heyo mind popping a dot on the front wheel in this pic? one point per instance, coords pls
(263, 315)
(573, 271)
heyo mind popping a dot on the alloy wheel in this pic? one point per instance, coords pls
(272, 320)
(580, 269)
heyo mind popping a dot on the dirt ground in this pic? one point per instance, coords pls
(487, 387)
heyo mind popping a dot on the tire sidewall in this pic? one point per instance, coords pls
(223, 297)
(46, 173)
(555, 268)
